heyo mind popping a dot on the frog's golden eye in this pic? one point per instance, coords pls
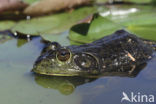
(63, 55)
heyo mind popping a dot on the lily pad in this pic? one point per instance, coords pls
(98, 28)
(58, 38)
(30, 1)
(129, 15)
(6, 25)
(144, 31)
(139, 20)
(52, 24)
(140, 1)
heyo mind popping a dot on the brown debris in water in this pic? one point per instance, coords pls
(50, 6)
(11, 5)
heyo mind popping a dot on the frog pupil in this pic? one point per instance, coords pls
(63, 53)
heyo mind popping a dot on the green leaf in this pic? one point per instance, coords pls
(98, 28)
(30, 1)
(144, 31)
(101, 27)
(6, 25)
(140, 1)
(52, 24)
(130, 15)
(139, 20)
(61, 38)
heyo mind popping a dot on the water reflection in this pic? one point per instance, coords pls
(67, 85)
(21, 38)
(4, 37)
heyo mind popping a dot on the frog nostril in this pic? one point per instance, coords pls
(55, 45)
(38, 61)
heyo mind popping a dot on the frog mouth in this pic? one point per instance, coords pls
(55, 74)
(69, 72)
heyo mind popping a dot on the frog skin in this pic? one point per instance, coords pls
(120, 52)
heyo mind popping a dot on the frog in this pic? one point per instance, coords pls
(119, 52)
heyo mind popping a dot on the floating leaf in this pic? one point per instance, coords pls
(52, 24)
(30, 1)
(144, 31)
(140, 1)
(139, 20)
(61, 38)
(6, 25)
(98, 28)
(130, 15)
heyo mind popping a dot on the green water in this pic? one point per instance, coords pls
(19, 86)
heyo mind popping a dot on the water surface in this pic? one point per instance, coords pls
(18, 85)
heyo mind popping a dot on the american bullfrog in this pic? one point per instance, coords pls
(121, 52)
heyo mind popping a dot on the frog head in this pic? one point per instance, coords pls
(65, 61)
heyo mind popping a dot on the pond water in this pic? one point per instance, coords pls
(18, 85)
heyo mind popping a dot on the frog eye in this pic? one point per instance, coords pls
(63, 55)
